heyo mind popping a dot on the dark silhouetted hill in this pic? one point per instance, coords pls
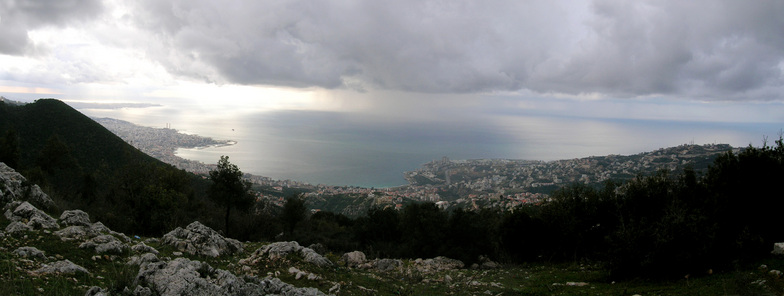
(83, 165)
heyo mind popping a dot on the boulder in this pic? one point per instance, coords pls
(353, 259)
(14, 187)
(75, 217)
(300, 274)
(183, 276)
(98, 228)
(319, 248)
(437, 264)
(74, 233)
(142, 291)
(274, 286)
(279, 250)
(43, 222)
(30, 252)
(16, 227)
(143, 259)
(314, 258)
(61, 267)
(178, 277)
(105, 244)
(27, 213)
(197, 239)
(142, 248)
(384, 265)
(486, 263)
(778, 248)
(96, 291)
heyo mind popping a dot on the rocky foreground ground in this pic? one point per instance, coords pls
(189, 260)
(73, 255)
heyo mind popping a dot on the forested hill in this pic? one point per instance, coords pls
(81, 164)
(90, 144)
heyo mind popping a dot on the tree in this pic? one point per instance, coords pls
(423, 226)
(228, 189)
(294, 211)
(9, 149)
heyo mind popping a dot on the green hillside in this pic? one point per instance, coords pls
(89, 142)
(83, 165)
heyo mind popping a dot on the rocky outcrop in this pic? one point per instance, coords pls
(142, 248)
(301, 274)
(778, 249)
(353, 259)
(105, 243)
(98, 227)
(437, 264)
(30, 253)
(384, 265)
(275, 286)
(279, 250)
(30, 215)
(17, 227)
(143, 259)
(14, 187)
(61, 267)
(197, 239)
(183, 276)
(485, 263)
(74, 217)
(75, 233)
(419, 265)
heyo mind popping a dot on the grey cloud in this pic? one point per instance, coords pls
(19, 17)
(712, 49)
(706, 49)
(428, 46)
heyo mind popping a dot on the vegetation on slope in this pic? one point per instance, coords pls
(82, 165)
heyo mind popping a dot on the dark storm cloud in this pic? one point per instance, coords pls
(19, 17)
(725, 49)
(705, 49)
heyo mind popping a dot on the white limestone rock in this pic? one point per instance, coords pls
(30, 252)
(143, 248)
(279, 250)
(13, 187)
(96, 291)
(30, 215)
(143, 259)
(778, 249)
(353, 259)
(385, 265)
(441, 263)
(17, 227)
(183, 276)
(74, 233)
(75, 217)
(197, 239)
(105, 243)
(61, 267)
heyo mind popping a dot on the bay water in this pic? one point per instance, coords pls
(370, 149)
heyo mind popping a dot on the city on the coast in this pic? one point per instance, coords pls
(470, 184)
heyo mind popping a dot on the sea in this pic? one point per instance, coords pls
(371, 149)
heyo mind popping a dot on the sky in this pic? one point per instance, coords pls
(704, 61)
